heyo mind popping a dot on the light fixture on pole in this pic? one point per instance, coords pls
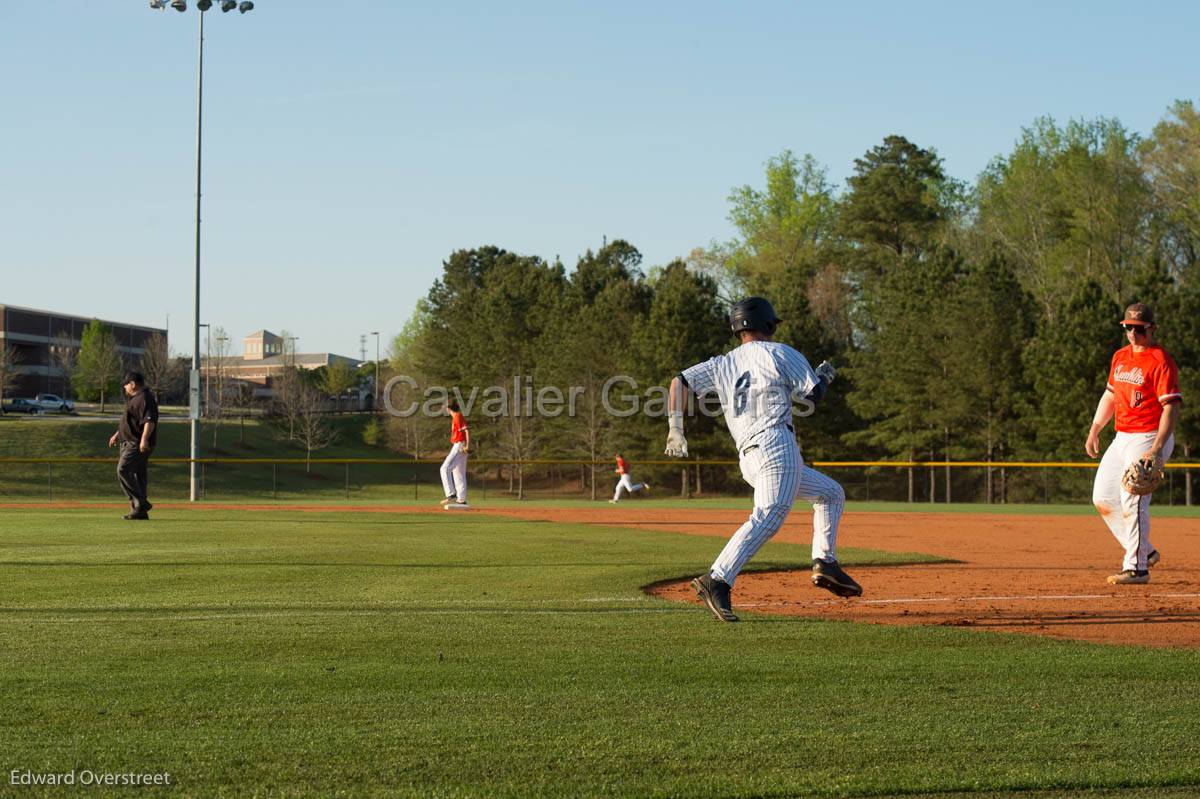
(194, 376)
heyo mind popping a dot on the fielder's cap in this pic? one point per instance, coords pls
(1138, 314)
(134, 377)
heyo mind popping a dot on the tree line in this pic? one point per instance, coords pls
(968, 320)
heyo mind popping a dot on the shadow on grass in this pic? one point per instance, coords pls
(233, 611)
(772, 568)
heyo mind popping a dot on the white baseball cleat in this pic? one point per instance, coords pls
(612, 502)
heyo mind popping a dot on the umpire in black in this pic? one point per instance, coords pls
(137, 435)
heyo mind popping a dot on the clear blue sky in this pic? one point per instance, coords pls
(351, 146)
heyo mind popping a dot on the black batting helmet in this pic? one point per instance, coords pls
(753, 313)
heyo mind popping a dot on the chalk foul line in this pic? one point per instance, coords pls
(990, 598)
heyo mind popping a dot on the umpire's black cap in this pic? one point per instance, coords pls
(753, 313)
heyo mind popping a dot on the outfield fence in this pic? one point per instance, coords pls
(417, 479)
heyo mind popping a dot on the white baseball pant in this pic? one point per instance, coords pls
(1127, 515)
(626, 482)
(774, 466)
(454, 473)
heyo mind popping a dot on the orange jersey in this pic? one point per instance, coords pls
(622, 466)
(458, 427)
(1142, 383)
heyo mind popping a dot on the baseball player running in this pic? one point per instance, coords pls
(454, 468)
(625, 481)
(1143, 395)
(756, 384)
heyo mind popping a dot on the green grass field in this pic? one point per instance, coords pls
(53, 436)
(339, 654)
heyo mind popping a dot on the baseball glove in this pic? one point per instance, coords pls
(825, 371)
(1142, 476)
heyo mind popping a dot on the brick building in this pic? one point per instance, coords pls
(36, 336)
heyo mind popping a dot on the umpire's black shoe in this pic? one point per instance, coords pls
(715, 594)
(136, 516)
(829, 575)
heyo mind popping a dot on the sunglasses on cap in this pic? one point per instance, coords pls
(1135, 328)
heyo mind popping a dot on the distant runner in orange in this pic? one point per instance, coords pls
(625, 481)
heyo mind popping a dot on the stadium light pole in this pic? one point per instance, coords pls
(194, 378)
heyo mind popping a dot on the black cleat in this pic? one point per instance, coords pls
(829, 575)
(1153, 558)
(143, 516)
(716, 596)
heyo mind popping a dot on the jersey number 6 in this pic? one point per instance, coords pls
(741, 393)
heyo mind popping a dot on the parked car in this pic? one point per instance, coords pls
(53, 402)
(22, 406)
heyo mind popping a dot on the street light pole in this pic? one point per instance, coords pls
(375, 402)
(220, 373)
(206, 369)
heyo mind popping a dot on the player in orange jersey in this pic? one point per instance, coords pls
(625, 481)
(1143, 395)
(454, 468)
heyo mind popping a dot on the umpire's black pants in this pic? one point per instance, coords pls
(132, 472)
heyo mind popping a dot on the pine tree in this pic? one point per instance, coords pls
(1066, 366)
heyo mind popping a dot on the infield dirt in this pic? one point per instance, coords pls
(1041, 575)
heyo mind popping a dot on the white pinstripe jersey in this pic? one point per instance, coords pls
(756, 384)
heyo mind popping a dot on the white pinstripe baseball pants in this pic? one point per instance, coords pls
(774, 466)
(1127, 515)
